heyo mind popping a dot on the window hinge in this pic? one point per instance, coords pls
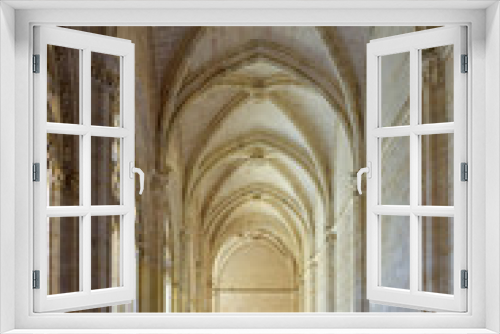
(464, 172)
(465, 279)
(36, 279)
(36, 172)
(36, 63)
(465, 64)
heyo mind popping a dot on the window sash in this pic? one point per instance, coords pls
(414, 298)
(87, 43)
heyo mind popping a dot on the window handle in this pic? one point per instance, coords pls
(368, 171)
(139, 171)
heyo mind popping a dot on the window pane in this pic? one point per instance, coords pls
(105, 171)
(63, 170)
(63, 255)
(105, 89)
(395, 171)
(437, 254)
(395, 252)
(63, 84)
(437, 169)
(105, 240)
(437, 84)
(395, 89)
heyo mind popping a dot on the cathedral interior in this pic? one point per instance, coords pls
(250, 139)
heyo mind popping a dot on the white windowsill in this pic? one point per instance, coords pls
(250, 331)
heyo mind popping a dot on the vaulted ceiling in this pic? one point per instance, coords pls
(251, 113)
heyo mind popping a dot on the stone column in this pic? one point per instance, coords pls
(331, 239)
(310, 286)
(151, 218)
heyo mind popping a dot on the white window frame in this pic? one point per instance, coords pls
(483, 102)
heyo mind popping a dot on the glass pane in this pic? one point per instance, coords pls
(395, 171)
(437, 169)
(105, 89)
(395, 252)
(437, 84)
(437, 254)
(105, 240)
(63, 84)
(63, 166)
(63, 255)
(105, 171)
(395, 89)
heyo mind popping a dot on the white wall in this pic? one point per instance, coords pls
(7, 161)
(491, 167)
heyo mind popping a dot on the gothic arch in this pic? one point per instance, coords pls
(208, 168)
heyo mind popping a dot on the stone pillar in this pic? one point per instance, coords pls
(301, 298)
(310, 286)
(151, 218)
(331, 239)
